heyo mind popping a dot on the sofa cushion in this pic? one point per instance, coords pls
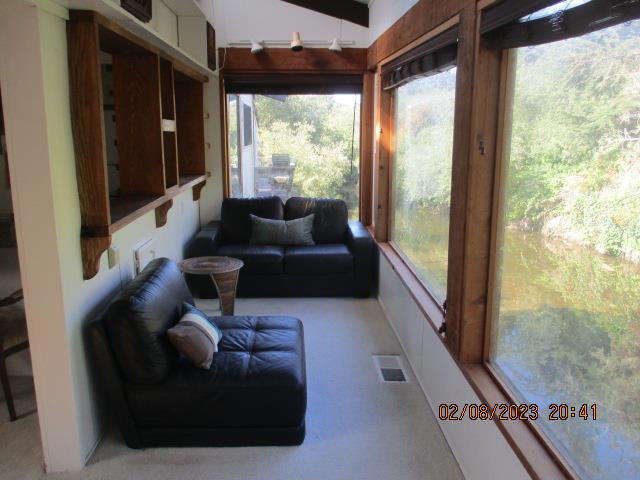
(257, 379)
(138, 318)
(236, 222)
(318, 260)
(258, 259)
(330, 221)
(265, 231)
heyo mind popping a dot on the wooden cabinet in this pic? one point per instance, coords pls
(138, 127)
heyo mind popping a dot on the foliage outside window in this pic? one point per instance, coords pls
(421, 181)
(305, 145)
(567, 327)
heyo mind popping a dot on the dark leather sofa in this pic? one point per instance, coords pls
(339, 264)
(254, 393)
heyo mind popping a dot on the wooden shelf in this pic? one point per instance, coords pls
(158, 103)
(117, 15)
(187, 181)
(127, 208)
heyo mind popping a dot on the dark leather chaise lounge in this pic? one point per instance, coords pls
(339, 264)
(254, 393)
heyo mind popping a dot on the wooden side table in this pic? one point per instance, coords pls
(224, 272)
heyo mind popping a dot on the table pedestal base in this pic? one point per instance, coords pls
(225, 284)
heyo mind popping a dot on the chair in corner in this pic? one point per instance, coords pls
(13, 339)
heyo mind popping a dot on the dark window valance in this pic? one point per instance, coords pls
(506, 25)
(435, 55)
(292, 84)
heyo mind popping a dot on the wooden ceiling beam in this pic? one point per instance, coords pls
(350, 10)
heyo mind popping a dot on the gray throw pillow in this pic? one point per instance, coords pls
(265, 231)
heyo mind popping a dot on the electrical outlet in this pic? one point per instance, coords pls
(114, 256)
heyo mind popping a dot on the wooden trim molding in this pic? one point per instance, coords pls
(420, 19)
(285, 60)
(383, 160)
(224, 137)
(366, 148)
(162, 213)
(460, 177)
(535, 454)
(197, 190)
(424, 300)
(92, 249)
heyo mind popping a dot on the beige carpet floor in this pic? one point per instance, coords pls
(357, 427)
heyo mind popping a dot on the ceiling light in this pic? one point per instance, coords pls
(335, 45)
(256, 47)
(296, 43)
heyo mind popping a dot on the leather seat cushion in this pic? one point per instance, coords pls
(236, 220)
(318, 260)
(258, 259)
(331, 219)
(257, 379)
(139, 316)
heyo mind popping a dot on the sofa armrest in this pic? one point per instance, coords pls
(360, 244)
(206, 242)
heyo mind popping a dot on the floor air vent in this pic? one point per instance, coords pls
(390, 368)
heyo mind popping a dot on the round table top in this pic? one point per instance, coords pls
(210, 265)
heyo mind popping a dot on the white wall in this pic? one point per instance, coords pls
(384, 13)
(58, 302)
(165, 22)
(479, 446)
(275, 20)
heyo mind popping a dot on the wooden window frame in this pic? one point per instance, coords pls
(395, 247)
(383, 182)
(479, 128)
(312, 61)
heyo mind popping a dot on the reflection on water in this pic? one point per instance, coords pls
(568, 332)
(424, 238)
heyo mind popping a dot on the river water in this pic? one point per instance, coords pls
(568, 331)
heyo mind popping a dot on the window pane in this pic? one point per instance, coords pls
(568, 317)
(304, 145)
(421, 180)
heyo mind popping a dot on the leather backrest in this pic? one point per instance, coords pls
(331, 217)
(236, 220)
(139, 316)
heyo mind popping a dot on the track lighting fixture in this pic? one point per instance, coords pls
(256, 47)
(296, 43)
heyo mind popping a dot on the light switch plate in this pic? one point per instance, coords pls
(114, 256)
(143, 254)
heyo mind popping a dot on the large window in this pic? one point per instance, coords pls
(295, 145)
(421, 175)
(567, 323)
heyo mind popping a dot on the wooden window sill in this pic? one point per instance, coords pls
(423, 298)
(536, 455)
